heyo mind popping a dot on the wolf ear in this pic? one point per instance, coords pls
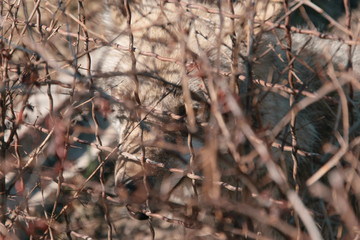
(116, 6)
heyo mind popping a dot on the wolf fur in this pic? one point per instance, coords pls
(178, 52)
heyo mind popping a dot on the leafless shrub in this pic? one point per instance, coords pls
(251, 180)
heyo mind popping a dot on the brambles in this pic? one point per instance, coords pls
(219, 117)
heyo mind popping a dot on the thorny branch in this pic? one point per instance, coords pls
(56, 162)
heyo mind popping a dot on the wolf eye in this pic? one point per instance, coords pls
(130, 186)
(122, 118)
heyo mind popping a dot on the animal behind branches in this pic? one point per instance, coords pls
(218, 109)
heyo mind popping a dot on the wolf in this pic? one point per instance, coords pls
(203, 93)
